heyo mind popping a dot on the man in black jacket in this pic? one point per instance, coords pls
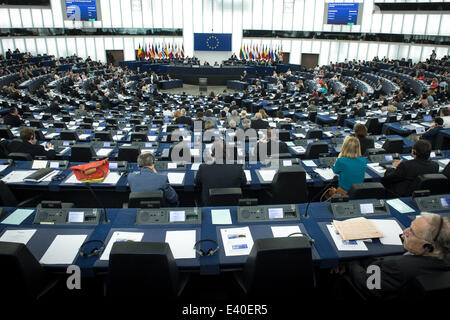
(13, 118)
(258, 123)
(400, 178)
(427, 242)
(28, 145)
(219, 174)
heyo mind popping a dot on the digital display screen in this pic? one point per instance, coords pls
(420, 130)
(427, 118)
(309, 141)
(76, 216)
(366, 208)
(445, 202)
(433, 154)
(81, 10)
(113, 165)
(275, 213)
(342, 13)
(66, 143)
(389, 158)
(177, 216)
(107, 144)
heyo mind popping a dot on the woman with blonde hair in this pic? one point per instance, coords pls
(350, 165)
(263, 113)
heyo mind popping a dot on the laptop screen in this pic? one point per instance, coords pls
(427, 118)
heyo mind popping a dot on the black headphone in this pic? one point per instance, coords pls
(428, 247)
(208, 252)
(311, 240)
(94, 251)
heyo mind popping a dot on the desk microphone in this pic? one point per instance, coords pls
(88, 185)
(316, 195)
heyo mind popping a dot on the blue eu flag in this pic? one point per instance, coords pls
(212, 41)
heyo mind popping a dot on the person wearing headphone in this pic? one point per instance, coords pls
(433, 131)
(147, 179)
(28, 145)
(400, 178)
(427, 242)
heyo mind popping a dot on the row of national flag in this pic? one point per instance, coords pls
(249, 52)
(161, 51)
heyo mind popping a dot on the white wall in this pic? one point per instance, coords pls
(226, 16)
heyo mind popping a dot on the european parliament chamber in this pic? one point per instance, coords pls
(224, 158)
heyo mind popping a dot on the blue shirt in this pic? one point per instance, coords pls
(146, 181)
(350, 171)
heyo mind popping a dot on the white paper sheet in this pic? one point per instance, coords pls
(309, 163)
(104, 152)
(195, 166)
(171, 165)
(221, 216)
(71, 179)
(299, 149)
(341, 245)
(377, 168)
(3, 167)
(84, 136)
(400, 206)
(284, 231)
(17, 176)
(112, 178)
(120, 236)
(248, 175)
(63, 249)
(326, 174)
(39, 164)
(237, 241)
(182, 243)
(444, 162)
(18, 236)
(152, 138)
(267, 175)
(176, 177)
(390, 229)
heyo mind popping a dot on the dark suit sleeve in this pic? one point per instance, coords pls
(169, 193)
(243, 178)
(198, 180)
(395, 175)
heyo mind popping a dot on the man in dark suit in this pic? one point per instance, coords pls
(270, 146)
(400, 178)
(28, 145)
(427, 244)
(54, 107)
(13, 118)
(147, 179)
(219, 174)
(258, 123)
(183, 119)
(433, 131)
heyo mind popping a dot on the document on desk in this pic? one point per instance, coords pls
(171, 165)
(18, 236)
(267, 175)
(16, 176)
(309, 163)
(400, 206)
(39, 164)
(248, 175)
(18, 216)
(3, 167)
(299, 135)
(182, 243)
(375, 166)
(104, 152)
(342, 245)
(195, 166)
(284, 231)
(390, 229)
(176, 177)
(152, 138)
(221, 216)
(444, 162)
(237, 241)
(84, 136)
(51, 135)
(120, 236)
(326, 174)
(72, 179)
(112, 178)
(118, 137)
(63, 249)
(299, 149)
(357, 229)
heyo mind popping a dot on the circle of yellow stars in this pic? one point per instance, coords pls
(210, 46)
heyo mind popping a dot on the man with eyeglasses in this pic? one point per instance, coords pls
(427, 242)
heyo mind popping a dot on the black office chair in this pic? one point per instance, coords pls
(437, 183)
(8, 199)
(152, 199)
(312, 115)
(103, 136)
(69, 135)
(129, 153)
(314, 134)
(6, 133)
(367, 190)
(59, 124)
(433, 287)
(224, 196)
(36, 124)
(140, 128)
(86, 125)
(285, 126)
(284, 135)
(38, 135)
(82, 153)
(391, 118)
(341, 119)
(23, 276)
(144, 269)
(372, 151)
(278, 267)
(20, 156)
(313, 150)
(139, 136)
(393, 145)
(373, 126)
(289, 186)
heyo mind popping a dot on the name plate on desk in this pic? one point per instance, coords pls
(67, 216)
(268, 213)
(360, 208)
(169, 216)
(431, 203)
